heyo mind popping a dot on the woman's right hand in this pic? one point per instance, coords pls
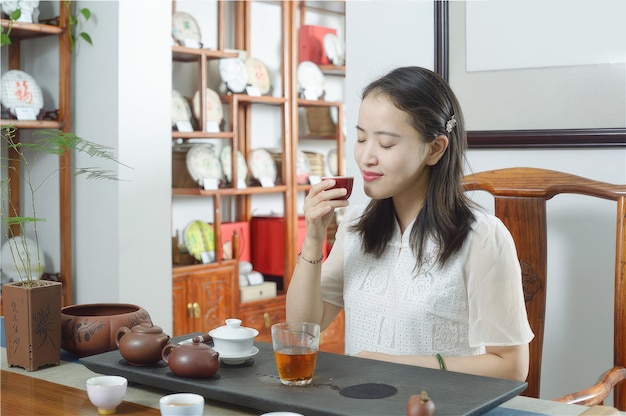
(319, 207)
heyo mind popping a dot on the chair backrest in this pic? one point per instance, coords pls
(520, 196)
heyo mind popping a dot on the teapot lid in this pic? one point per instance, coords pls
(196, 344)
(146, 327)
(233, 330)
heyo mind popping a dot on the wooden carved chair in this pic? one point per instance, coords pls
(520, 196)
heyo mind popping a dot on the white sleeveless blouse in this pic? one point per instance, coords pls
(391, 307)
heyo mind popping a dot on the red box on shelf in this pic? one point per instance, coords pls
(268, 245)
(243, 229)
(311, 44)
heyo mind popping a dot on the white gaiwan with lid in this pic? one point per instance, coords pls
(233, 339)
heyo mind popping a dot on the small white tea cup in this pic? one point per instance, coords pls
(181, 404)
(106, 392)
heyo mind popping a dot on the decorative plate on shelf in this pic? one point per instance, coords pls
(184, 26)
(334, 49)
(258, 75)
(9, 6)
(20, 90)
(199, 238)
(25, 248)
(202, 163)
(332, 161)
(214, 111)
(262, 165)
(234, 74)
(180, 108)
(310, 80)
(303, 168)
(225, 159)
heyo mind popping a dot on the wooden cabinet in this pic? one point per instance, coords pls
(202, 297)
(261, 315)
(59, 118)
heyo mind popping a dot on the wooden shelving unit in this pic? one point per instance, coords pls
(27, 31)
(238, 133)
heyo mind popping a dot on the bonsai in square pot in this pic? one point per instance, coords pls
(31, 306)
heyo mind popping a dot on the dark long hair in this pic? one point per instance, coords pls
(446, 215)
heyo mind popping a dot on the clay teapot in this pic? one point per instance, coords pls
(192, 360)
(141, 345)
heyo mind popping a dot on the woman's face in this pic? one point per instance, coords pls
(391, 154)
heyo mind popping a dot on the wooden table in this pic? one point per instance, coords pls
(24, 395)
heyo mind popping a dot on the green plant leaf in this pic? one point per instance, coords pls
(5, 39)
(9, 221)
(86, 13)
(73, 20)
(16, 14)
(86, 37)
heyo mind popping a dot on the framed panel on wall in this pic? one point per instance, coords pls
(554, 76)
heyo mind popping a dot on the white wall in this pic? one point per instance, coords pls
(122, 89)
(576, 270)
(381, 35)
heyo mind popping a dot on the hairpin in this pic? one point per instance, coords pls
(450, 124)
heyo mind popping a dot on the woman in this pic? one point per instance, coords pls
(424, 276)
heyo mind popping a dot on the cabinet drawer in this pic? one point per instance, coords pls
(262, 315)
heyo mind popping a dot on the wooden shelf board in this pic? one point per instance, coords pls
(264, 99)
(202, 135)
(318, 103)
(32, 124)
(184, 54)
(23, 30)
(230, 191)
(333, 69)
(317, 137)
(200, 266)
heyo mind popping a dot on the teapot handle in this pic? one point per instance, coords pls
(120, 333)
(166, 351)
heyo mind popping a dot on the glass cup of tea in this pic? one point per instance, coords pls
(295, 350)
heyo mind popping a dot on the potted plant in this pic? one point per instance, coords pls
(32, 307)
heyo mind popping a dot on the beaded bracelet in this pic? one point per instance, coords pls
(442, 364)
(311, 261)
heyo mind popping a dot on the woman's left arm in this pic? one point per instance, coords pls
(510, 362)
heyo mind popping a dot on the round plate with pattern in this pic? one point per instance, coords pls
(214, 111)
(242, 166)
(262, 165)
(202, 163)
(258, 75)
(332, 161)
(199, 238)
(303, 168)
(184, 26)
(20, 90)
(180, 108)
(310, 79)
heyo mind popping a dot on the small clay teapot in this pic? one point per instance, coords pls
(141, 345)
(192, 360)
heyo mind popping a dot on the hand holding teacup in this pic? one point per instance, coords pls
(342, 182)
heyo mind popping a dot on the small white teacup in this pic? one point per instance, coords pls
(181, 404)
(106, 392)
